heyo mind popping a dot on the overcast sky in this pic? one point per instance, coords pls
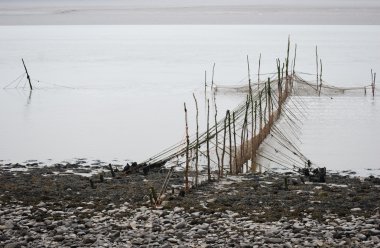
(36, 12)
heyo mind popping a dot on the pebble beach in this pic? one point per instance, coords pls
(55, 207)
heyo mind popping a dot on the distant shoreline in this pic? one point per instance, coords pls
(209, 12)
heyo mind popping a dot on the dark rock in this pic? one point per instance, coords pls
(88, 239)
(58, 238)
(273, 240)
(13, 245)
(3, 238)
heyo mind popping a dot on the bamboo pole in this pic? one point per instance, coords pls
(212, 78)
(373, 84)
(235, 150)
(287, 66)
(320, 78)
(316, 60)
(224, 144)
(243, 134)
(260, 113)
(187, 151)
(258, 74)
(269, 97)
(294, 59)
(266, 102)
(208, 141)
(230, 138)
(252, 129)
(249, 76)
(197, 142)
(205, 90)
(27, 75)
(279, 80)
(216, 136)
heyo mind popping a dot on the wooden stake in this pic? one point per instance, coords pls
(111, 169)
(287, 65)
(287, 57)
(266, 102)
(316, 60)
(212, 78)
(230, 138)
(27, 75)
(269, 97)
(258, 74)
(373, 78)
(224, 143)
(197, 142)
(216, 136)
(260, 113)
(374, 85)
(279, 80)
(205, 88)
(187, 151)
(320, 78)
(208, 141)
(242, 138)
(254, 141)
(235, 150)
(249, 77)
(294, 60)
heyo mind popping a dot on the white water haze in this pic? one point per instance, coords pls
(125, 87)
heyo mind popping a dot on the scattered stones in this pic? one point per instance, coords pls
(238, 214)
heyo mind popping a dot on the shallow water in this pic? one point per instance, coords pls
(127, 85)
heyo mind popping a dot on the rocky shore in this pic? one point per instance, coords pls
(54, 207)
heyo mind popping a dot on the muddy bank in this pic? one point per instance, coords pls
(54, 207)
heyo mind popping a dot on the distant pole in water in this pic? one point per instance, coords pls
(316, 60)
(258, 74)
(27, 75)
(294, 61)
(205, 89)
(373, 79)
(212, 78)
(320, 79)
(249, 77)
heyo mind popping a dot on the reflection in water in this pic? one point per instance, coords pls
(30, 97)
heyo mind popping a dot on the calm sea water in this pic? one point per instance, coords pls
(125, 87)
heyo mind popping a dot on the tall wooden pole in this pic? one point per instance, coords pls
(316, 60)
(230, 139)
(187, 151)
(212, 78)
(205, 90)
(216, 136)
(287, 66)
(224, 144)
(258, 74)
(197, 142)
(320, 77)
(27, 75)
(249, 77)
(294, 59)
(208, 141)
(235, 150)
